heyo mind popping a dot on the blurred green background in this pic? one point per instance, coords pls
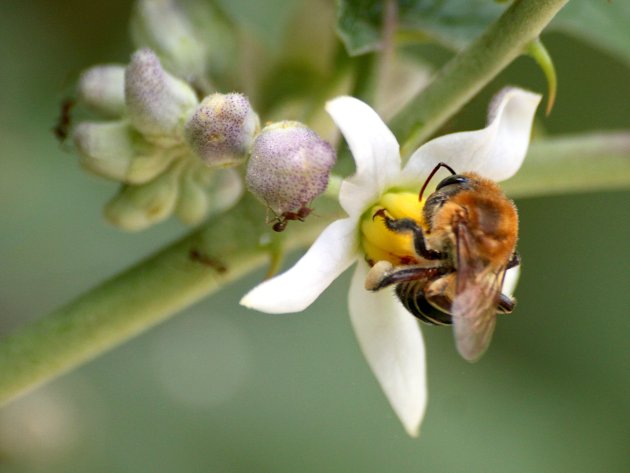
(223, 389)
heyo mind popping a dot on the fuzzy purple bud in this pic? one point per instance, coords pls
(222, 129)
(288, 168)
(158, 103)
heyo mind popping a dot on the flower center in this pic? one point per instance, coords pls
(382, 244)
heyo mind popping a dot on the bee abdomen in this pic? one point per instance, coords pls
(412, 298)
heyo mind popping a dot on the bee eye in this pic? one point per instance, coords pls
(455, 179)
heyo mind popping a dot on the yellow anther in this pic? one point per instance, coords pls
(402, 205)
(382, 244)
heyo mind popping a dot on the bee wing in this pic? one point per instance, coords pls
(473, 328)
(477, 290)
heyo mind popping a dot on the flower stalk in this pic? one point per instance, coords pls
(140, 297)
(470, 70)
(597, 161)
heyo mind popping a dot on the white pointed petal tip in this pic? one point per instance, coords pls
(296, 289)
(392, 344)
(510, 119)
(513, 100)
(374, 147)
(496, 151)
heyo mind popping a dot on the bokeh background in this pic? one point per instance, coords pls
(223, 389)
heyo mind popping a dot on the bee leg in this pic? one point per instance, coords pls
(408, 225)
(440, 292)
(383, 274)
(515, 260)
(505, 305)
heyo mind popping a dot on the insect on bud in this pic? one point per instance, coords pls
(222, 129)
(289, 166)
(158, 103)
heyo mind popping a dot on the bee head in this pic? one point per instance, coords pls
(446, 189)
(457, 180)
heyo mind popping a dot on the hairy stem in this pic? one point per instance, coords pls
(140, 297)
(470, 70)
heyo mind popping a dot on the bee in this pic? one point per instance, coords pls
(463, 250)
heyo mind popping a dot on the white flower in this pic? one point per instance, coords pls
(388, 335)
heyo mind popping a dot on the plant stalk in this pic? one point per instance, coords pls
(471, 69)
(154, 289)
(597, 161)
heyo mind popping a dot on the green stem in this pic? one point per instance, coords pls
(578, 163)
(474, 67)
(197, 265)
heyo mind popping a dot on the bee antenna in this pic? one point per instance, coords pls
(435, 169)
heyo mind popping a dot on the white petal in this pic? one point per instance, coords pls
(357, 194)
(293, 291)
(495, 152)
(391, 341)
(374, 148)
(511, 279)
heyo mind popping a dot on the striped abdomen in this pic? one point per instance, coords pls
(411, 295)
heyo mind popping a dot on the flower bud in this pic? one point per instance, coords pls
(164, 27)
(222, 129)
(158, 103)
(116, 151)
(135, 208)
(207, 191)
(289, 167)
(102, 88)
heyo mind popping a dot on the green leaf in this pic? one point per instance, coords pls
(268, 20)
(604, 24)
(451, 23)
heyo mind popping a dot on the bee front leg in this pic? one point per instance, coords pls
(408, 225)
